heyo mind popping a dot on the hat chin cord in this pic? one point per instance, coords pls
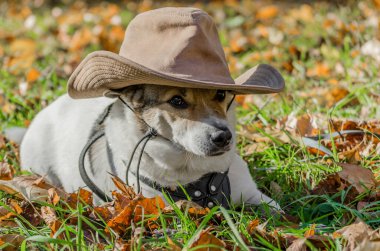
(151, 133)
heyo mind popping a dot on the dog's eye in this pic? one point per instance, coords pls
(220, 95)
(178, 102)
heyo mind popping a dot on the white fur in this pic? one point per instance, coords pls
(55, 138)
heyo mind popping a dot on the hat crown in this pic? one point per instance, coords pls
(181, 42)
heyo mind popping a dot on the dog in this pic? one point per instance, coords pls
(197, 137)
(157, 115)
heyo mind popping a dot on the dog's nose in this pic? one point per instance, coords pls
(221, 138)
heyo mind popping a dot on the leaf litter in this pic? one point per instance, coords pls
(128, 209)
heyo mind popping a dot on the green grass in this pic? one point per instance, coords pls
(289, 165)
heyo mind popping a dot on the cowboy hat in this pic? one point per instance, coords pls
(169, 46)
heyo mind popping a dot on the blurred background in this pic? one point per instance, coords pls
(323, 48)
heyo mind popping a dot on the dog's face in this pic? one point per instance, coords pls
(194, 120)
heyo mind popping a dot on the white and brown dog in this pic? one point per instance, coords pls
(170, 77)
(196, 138)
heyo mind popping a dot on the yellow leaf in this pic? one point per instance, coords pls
(33, 75)
(310, 231)
(267, 12)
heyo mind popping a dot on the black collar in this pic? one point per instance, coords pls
(210, 190)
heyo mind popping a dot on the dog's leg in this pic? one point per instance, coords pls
(243, 188)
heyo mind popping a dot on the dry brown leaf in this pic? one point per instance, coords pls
(310, 231)
(298, 245)
(173, 246)
(133, 213)
(193, 209)
(360, 178)
(2, 138)
(6, 171)
(111, 39)
(122, 245)
(208, 239)
(377, 3)
(320, 70)
(303, 13)
(26, 187)
(304, 125)
(357, 233)
(31, 213)
(336, 94)
(32, 75)
(267, 12)
(14, 241)
(126, 190)
(6, 214)
(49, 216)
(80, 39)
(54, 198)
(252, 226)
(23, 54)
(81, 196)
(320, 242)
(103, 212)
(8, 224)
(368, 245)
(120, 201)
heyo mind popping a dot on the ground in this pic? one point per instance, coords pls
(329, 55)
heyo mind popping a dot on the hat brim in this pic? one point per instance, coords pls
(102, 71)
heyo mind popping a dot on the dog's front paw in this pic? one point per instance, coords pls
(261, 198)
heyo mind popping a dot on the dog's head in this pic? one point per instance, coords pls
(194, 120)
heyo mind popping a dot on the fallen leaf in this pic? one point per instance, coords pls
(133, 213)
(13, 240)
(2, 138)
(252, 226)
(368, 245)
(81, 196)
(80, 39)
(26, 187)
(320, 70)
(192, 208)
(360, 178)
(298, 245)
(49, 216)
(6, 171)
(319, 242)
(103, 212)
(126, 190)
(310, 231)
(23, 54)
(173, 246)
(336, 94)
(267, 12)
(32, 75)
(54, 198)
(5, 213)
(357, 233)
(207, 239)
(303, 13)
